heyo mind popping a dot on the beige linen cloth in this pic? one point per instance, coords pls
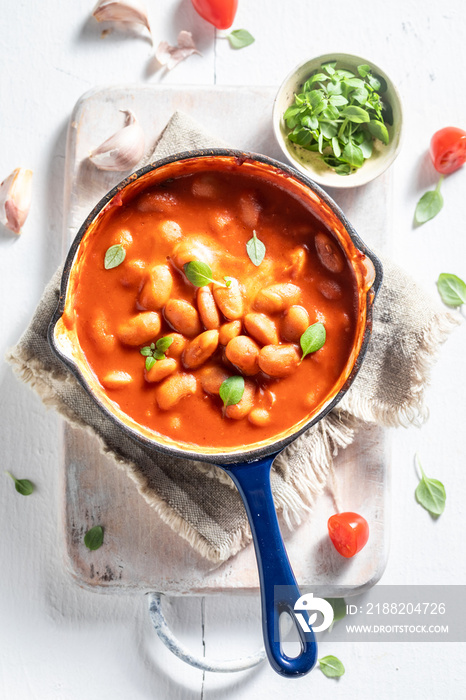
(199, 501)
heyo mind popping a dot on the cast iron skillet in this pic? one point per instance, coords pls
(249, 468)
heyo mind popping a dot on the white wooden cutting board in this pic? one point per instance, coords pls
(141, 553)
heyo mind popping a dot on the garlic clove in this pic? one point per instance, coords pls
(126, 11)
(124, 149)
(15, 199)
(170, 56)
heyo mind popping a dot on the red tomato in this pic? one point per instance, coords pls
(220, 13)
(349, 533)
(448, 149)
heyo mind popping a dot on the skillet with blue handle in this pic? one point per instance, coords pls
(249, 468)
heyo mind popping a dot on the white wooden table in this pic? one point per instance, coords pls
(59, 642)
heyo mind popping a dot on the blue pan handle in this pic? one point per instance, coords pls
(253, 482)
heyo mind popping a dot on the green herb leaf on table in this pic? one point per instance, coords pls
(331, 666)
(200, 274)
(339, 608)
(23, 486)
(231, 390)
(255, 249)
(94, 538)
(429, 205)
(239, 38)
(452, 289)
(312, 339)
(114, 256)
(430, 493)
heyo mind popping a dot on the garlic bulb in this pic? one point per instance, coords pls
(15, 199)
(170, 56)
(126, 11)
(124, 149)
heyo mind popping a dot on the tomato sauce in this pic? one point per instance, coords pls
(210, 216)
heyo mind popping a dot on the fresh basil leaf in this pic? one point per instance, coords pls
(158, 355)
(342, 73)
(231, 390)
(338, 100)
(343, 169)
(339, 608)
(146, 351)
(314, 79)
(304, 137)
(331, 113)
(355, 83)
(364, 70)
(312, 339)
(328, 130)
(150, 362)
(428, 206)
(314, 98)
(335, 89)
(164, 343)
(255, 249)
(360, 95)
(310, 121)
(379, 131)
(228, 281)
(114, 256)
(377, 83)
(352, 154)
(331, 666)
(23, 486)
(430, 493)
(239, 38)
(320, 141)
(452, 289)
(94, 538)
(329, 67)
(355, 114)
(198, 273)
(292, 111)
(336, 147)
(358, 137)
(366, 146)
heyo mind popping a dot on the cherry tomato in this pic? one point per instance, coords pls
(220, 13)
(448, 149)
(349, 533)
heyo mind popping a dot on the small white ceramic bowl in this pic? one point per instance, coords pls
(309, 162)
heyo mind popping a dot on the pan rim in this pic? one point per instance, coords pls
(231, 455)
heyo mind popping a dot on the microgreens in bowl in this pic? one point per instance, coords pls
(339, 114)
